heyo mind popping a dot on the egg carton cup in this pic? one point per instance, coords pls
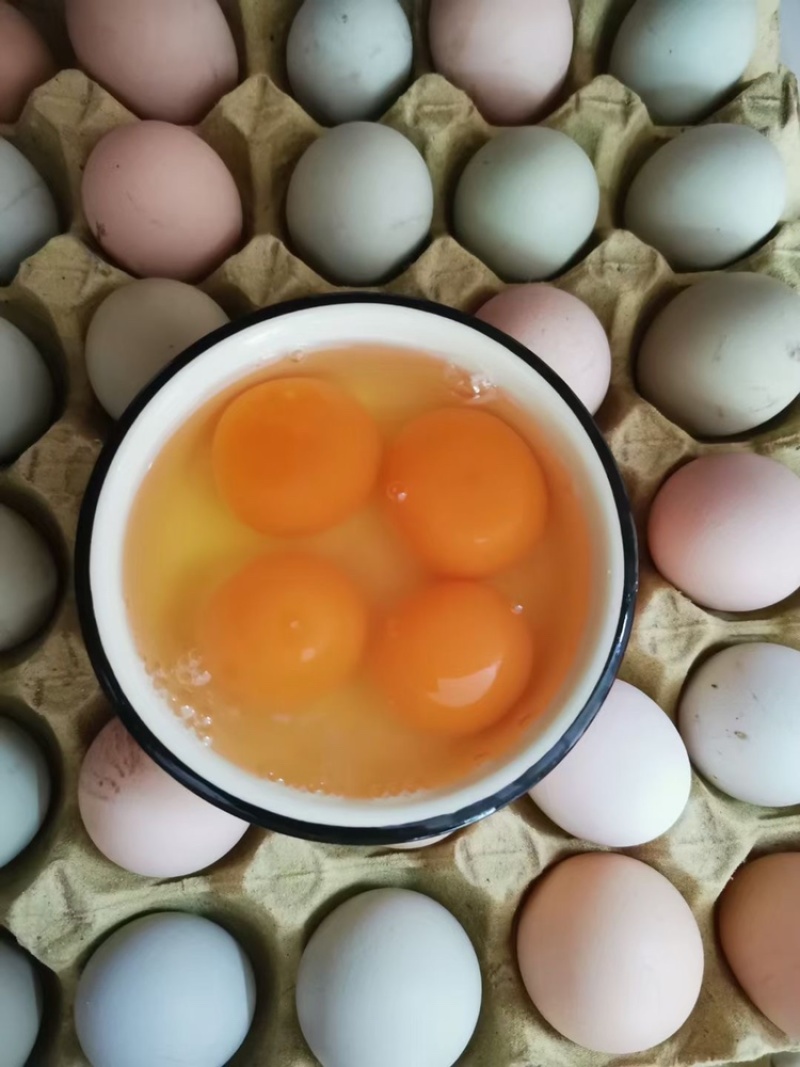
(61, 897)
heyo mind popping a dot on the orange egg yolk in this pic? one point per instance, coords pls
(295, 456)
(454, 658)
(465, 491)
(286, 629)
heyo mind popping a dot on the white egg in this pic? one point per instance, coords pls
(28, 216)
(724, 356)
(138, 330)
(627, 780)
(24, 790)
(28, 579)
(683, 57)
(26, 392)
(20, 1005)
(349, 59)
(738, 717)
(709, 196)
(165, 989)
(360, 203)
(389, 978)
(526, 203)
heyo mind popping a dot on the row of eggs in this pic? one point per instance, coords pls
(722, 529)
(721, 358)
(161, 202)
(174, 987)
(735, 717)
(350, 59)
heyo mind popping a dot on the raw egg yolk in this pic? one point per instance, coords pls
(465, 491)
(295, 456)
(454, 658)
(286, 629)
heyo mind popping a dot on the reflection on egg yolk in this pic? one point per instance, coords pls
(285, 629)
(454, 658)
(295, 456)
(466, 492)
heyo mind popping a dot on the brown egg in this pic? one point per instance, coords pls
(161, 202)
(25, 62)
(610, 953)
(759, 929)
(165, 60)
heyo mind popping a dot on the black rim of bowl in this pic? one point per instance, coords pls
(332, 833)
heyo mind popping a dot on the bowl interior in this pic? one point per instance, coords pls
(237, 352)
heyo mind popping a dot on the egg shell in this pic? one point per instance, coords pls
(25, 62)
(683, 57)
(20, 1005)
(28, 580)
(390, 978)
(360, 203)
(510, 56)
(723, 530)
(166, 989)
(28, 216)
(724, 356)
(561, 330)
(161, 202)
(759, 930)
(26, 392)
(142, 819)
(24, 791)
(138, 330)
(738, 717)
(626, 781)
(349, 59)
(170, 61)
(709, 196)
(526, 203)
(600, 933)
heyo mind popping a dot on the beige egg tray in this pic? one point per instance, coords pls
(61, 897)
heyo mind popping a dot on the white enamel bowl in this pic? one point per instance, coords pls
(235, 352)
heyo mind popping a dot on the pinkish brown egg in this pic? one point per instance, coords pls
(142, 819)
(25, 62)
(561, 330)
(509, 56)
(161, 202)
(759, 929)
(723, 530)
(601, 933)
(170, 61)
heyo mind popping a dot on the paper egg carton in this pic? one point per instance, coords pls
(61, 897)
